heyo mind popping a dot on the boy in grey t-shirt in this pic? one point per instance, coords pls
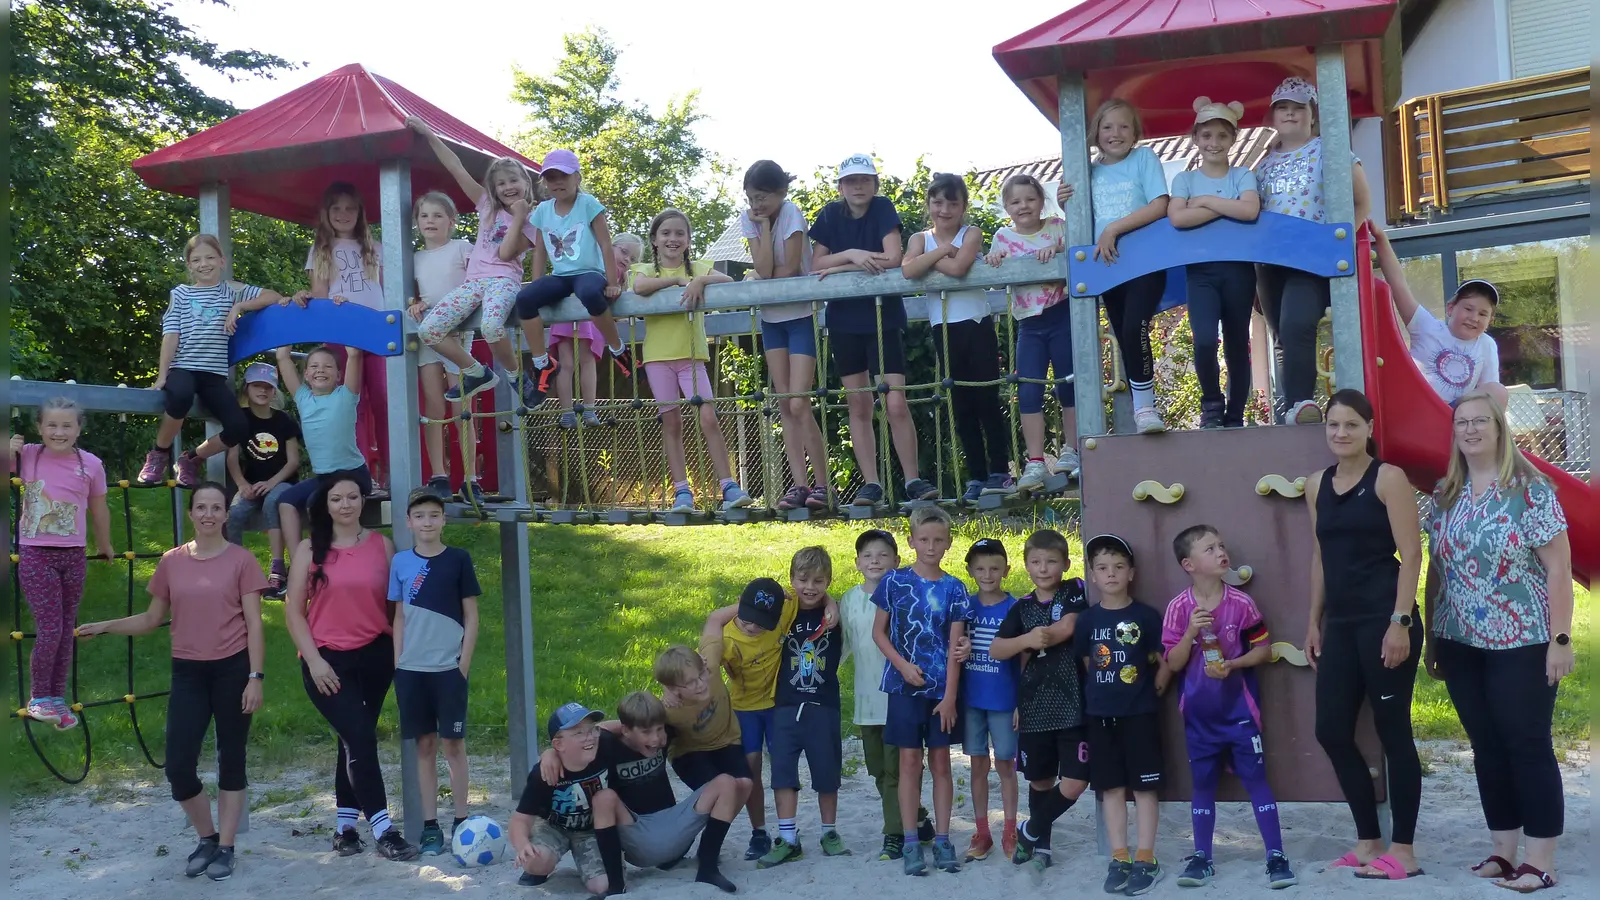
(435, 593)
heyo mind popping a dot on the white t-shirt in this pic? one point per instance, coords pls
(349, 277)
(856, 613)
(1453, 367)
(788, 221)
(440, 270)
(961, 306)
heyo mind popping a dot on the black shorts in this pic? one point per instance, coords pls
(216, 396)
(857, 353)
(1125, 752)
(431, 703)
(1048, 755)
(812, 729)
(698, 767)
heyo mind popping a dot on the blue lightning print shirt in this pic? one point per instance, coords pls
(920, 614)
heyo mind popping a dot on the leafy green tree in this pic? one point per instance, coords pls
(637, 162)
(95, 84)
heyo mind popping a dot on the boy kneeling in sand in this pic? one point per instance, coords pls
(557, 817)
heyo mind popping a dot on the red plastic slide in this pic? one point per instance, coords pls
(1414, 424)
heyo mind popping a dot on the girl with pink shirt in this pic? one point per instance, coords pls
(212, 590)
(337, 612)
(59, 484)
(346, 264)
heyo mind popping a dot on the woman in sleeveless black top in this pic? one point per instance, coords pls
(1365, 638)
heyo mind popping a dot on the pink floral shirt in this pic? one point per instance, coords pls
(1028, 300)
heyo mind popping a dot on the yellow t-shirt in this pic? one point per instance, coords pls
(752, 662)
(704, 726)
(676, 335)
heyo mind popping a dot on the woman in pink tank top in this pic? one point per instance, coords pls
(337, 611)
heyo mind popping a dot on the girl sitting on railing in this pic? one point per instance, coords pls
(327, 426)
(1219, 293)
(1128, 190)
(579, 344)
(675, 356)
(964, 338)
(1290, 179)
(1044, 328)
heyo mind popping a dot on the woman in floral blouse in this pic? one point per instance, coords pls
(1500, 612)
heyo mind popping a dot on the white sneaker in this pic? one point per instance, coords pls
(1069, 463)
(1306, 412)
(1033, 476)
(1147, 420)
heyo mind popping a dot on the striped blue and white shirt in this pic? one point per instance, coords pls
(196, 315)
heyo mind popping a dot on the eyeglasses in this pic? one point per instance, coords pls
(1481, 423)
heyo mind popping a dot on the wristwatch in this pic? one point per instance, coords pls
(1401, 619)
(1563, 639)
(258, 676)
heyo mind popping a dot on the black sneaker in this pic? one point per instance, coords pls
(921, 489)
(1198, 871)
(1279, 875)
(202, 856)
(1118, 875)
(472, 385)
(871, 494)
(1143, 877)
(439, 486)
(623, 361)
(534, 383)
(528, 879)
(221, 868)
(348, 843)
(472, 493)
(973, 492)
(894, 847)
(760, 845)
(925, 830)
(393, 845)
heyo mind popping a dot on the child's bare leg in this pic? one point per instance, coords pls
(911, 790)
(1033, 435)
(166, 433)
(793, 448)
(289, 519)
(716, 444)
(902, 430)
(455, 754)
(802, 375)
(786, 801)
(862, 438)
(275, 544)
(607, 323)
(1008, 788)
(980, 791)
(428, 774)
(1069, 427)
(532, 335)
(433, 407)
(828, 807)
(672, 439)
(1114, 803)
(564, 378)
(944, 788)
(588, 377)
(1147, 812)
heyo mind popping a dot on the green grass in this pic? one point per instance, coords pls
(605, 601)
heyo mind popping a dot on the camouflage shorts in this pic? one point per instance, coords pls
(584, 848)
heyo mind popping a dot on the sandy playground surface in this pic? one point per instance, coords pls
(130, 841)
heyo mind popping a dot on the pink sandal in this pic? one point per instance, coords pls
(1347, 861)
(1390, 870)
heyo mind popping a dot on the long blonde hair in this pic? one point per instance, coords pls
(529, 186)
(322, 245)
(1515, 473)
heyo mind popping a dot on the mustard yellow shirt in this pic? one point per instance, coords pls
(675, 335)
(752, 662)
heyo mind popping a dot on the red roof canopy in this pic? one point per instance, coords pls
(1161, 54)
(278, 158)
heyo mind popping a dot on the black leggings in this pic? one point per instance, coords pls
(975, 356)
(1221, 293)
(364, 677)
(1349, 671)
(552, 289)
(216, 397)
(1293, 302)
(1129, 309)
(1506, 705)
(203, 691)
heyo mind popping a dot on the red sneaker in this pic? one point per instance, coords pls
(980, 848)
(1008, 840)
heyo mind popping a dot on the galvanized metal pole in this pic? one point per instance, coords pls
(405, 452)
(516, 594)
(1338, 163)
(216, 219)
(1072, 115)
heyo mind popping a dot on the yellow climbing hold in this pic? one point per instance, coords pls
(1147, 490)
(16, 635)
(1270, 484)
(1283, 651)
(128, 698)
(129, 554)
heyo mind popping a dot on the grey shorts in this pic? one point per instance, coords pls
(582, 845)
(663, 836)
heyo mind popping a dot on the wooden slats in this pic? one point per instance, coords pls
(1538, 170)
(1531, 108)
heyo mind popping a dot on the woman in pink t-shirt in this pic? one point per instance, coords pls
(60, 483)
(212, 590)
(338, 614)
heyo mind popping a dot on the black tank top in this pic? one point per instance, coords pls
(1360, 571)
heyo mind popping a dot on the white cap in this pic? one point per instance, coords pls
(858, 164)
(1296, 89)
(261, 373)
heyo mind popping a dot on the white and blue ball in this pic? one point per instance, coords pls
(479, 841)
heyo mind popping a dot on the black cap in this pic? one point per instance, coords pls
(986, 547)
(761, 604)
(1107, 541)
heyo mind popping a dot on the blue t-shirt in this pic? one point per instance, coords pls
(1195, 183)
(569, 239)
(432, 588)
(836, 230)
(1123, 649)
(328, 424)
(920, 614)
(988, 683)
(1123, 186)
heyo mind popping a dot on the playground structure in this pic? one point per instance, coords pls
(350, 126)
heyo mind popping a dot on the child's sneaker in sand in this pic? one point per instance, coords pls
(944, 855)
(782, 851)
(202, 856)
(1118, 874)
(894, 847)
(833, 844)
(1147, 420)
(760, 844)
(1279, 875)
(914, 863)
(1197, 871)
(1143, 877)
(980, 847)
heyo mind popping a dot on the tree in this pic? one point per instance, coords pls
(636, 162)
(94, 85)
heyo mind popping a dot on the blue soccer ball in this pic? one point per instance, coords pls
(478, 842)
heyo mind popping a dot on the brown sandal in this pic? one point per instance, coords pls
(1506, 868)
(1545, 881)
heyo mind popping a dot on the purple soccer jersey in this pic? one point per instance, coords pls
(1214, 708)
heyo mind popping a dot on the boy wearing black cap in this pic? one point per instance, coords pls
(1119, 642)
(554, 819)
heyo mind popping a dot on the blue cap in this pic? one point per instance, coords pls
(568, 715)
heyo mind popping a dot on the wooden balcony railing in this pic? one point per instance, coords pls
(1442, 149)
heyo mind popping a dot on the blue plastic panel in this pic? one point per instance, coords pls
(377, 331)
(1296, 243)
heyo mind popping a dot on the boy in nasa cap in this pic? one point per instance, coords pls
(263, 468)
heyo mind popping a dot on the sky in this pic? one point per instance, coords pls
(805, 83)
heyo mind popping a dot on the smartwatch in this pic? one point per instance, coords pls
(258, 676)
(1563, 639)
(1401, 619)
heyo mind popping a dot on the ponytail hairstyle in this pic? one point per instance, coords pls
(1356, 402)
(662, 218)
(322, 246)
(768, 177)
(321, 528)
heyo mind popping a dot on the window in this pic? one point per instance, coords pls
(1549, 35)
(1540, 288)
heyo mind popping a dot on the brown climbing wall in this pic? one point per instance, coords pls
(1219, 471)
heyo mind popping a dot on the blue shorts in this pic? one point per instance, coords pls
(755, 728)
(913, 723)
(812, 729)
(980, 726)
(796, 336)
(1044, 342)
(1235, 744)
(300, 494)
